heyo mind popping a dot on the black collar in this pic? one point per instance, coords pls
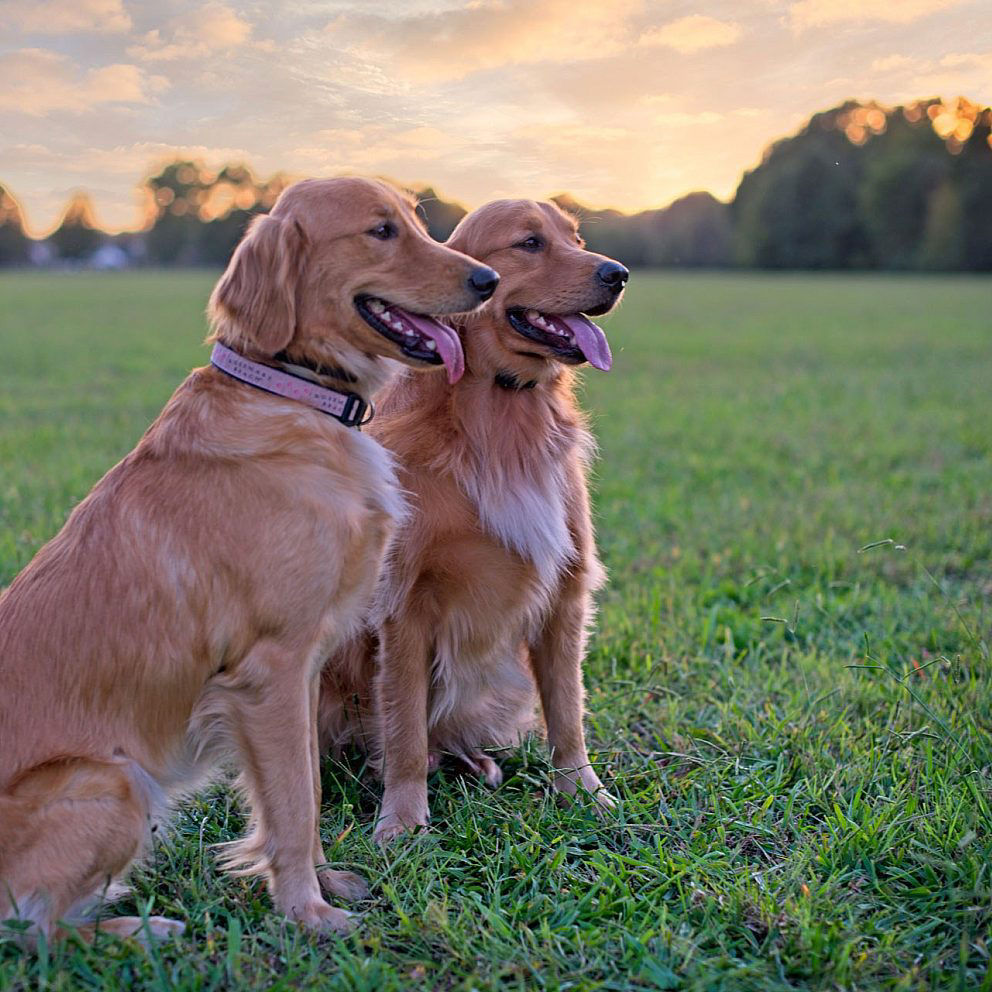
(331, 371)
(507, 380)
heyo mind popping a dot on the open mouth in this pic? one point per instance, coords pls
(573, 337)
(418, 336)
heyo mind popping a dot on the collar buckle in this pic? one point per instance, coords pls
(356, 412)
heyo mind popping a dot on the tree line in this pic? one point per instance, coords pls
(860, 186)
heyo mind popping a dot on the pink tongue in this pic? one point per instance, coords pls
(590, 339)
(449, 347)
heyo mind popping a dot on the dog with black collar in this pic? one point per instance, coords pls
(486, 595)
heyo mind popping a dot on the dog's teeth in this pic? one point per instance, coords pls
(409, 334)
(533, 316)
(431, 345)
(376, 306)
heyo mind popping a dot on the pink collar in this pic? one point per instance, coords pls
(349, 408)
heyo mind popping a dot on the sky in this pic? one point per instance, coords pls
(622, 103)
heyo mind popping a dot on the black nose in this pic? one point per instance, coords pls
(613, 275)
(484, 281)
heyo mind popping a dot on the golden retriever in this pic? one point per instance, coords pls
(179, 618)
(488, 587)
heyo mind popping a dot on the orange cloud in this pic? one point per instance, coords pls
(35, 81)
(67, 16)
(454, 43)
(202, 32)
(692, 34)
(817, 13)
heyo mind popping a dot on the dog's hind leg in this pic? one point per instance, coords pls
(68, 828)
(482, 766)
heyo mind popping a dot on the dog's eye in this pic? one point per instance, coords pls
(384, 231)
(533, 243)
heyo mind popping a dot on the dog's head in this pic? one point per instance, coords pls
(341, 270)
(549, 288)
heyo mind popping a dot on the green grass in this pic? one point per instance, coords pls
(802, 808)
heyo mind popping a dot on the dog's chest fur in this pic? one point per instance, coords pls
(518, 479)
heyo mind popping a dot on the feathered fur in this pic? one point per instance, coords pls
(486, 594)
(180, 618)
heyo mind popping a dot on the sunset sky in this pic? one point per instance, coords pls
(621, 102)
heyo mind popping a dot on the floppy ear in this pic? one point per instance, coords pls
(254, 304)
(460, 239)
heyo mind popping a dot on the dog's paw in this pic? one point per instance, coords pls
(343, 884)
(159, 928)
(386, 831)
(323, 918)
(482, 765)
(404, 809)
(605, 801)
(569, 783)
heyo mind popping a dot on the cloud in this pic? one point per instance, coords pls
(213, 28)
(36, 82)
(680, 118)
(954, 74)
(892, 63)
(143, 158)
(451, 44)
(969, 60)
(818, 13)
(692, 34)
(67, 16)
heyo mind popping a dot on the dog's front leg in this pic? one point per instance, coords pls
(345, 884)
(556, 656)
(273, 716)
(401, 687)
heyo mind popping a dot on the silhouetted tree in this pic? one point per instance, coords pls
(861, 186)
(942, 244)
(441, 216)
(198, 216)
(13, 241)
(77, 236)
(694, 231)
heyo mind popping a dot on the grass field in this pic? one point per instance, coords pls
(799, 730)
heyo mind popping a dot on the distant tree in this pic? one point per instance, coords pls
(694, 231)
(197, 216)
(973, 182)
(610, 232)
(799, 208)
(218, 238)
(440, 215)
(942, 243)
(903, 170)
(13, 241)
(77, 236)
(174, 197)
(865, 186)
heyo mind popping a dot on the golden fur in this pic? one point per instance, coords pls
(486, 593)
(179, 618)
